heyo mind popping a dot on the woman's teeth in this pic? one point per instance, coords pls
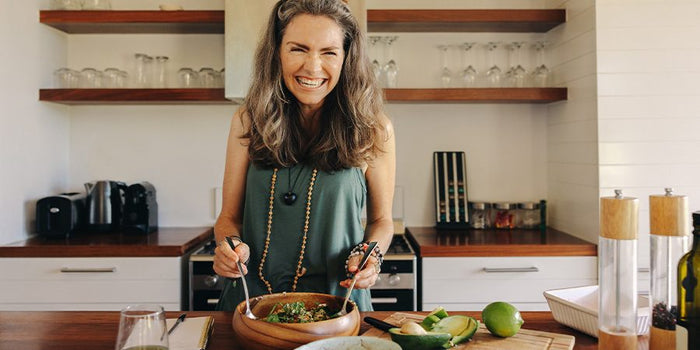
(311, 83)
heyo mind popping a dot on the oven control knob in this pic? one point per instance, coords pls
(211, 280)
(394, 279)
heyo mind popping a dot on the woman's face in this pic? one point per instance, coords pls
(312, 58)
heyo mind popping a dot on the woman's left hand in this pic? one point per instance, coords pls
(367, 277)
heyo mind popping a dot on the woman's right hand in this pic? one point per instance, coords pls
(225, 259)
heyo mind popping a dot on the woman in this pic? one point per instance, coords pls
(309, 147)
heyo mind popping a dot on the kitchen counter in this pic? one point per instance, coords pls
(165, 242)
(432, 242)
(63, 330)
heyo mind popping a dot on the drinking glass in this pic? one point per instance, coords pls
(188, 78)
(66, 78)
(161, 77)
(207, 77)
(469, 73)
(142, 70)
(376, 66)
(541, 74)
(111, 78)
(445, 72)
(516, 74)
(391, 69)
(65, 5)
(142, 327)
(493, 74)
(90, 78)
(97, 5)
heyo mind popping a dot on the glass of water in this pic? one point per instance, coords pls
(142, 327)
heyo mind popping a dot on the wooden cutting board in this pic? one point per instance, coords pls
(526, 339)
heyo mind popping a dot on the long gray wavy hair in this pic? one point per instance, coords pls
(350, 128)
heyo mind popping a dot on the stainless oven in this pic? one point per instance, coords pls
(395, 289)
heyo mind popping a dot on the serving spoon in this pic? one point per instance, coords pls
(248, 313)
(363, 262)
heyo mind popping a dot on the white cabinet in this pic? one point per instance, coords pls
(89, 283)
(471, 283)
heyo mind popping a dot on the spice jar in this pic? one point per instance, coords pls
(528, 215)
(479, 215)
(503, 215)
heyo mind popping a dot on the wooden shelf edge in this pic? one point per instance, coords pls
(133, 96)
(455, 20)
(129, 22)
(478, 95)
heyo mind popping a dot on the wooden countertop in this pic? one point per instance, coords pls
(166, 241)
(432, 242)
(63, 330)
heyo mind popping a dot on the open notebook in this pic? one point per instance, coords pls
(192, 334)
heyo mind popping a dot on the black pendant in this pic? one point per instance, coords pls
(289, 198)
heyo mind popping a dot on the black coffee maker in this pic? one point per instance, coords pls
(140, 209)
(61, 215)
(105, 205)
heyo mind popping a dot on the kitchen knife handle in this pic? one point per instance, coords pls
(379, 323)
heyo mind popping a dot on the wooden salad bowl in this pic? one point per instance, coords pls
(260, 334)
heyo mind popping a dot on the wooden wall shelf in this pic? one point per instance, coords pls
(516, 21)
(478, 95)
(133, 96)
(130, 22)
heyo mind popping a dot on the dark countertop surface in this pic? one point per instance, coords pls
(95, 330)
(469, 243)
(166, 241)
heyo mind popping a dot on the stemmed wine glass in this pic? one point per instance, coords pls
(445, 72)
(493, 74)
(541, 74)
(376, 66)
(469, 74)
(516, 73)
(391, 69)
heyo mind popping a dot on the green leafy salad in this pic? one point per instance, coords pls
(296, 312)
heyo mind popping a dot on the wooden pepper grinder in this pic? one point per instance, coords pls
(617, 273)
(669, 231)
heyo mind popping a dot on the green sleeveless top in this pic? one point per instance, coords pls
(335, 227)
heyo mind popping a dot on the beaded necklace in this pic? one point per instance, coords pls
(300, 270)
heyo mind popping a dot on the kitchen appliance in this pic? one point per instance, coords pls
(105, 205)
(140, 209)
(395, 289)
(61, 215)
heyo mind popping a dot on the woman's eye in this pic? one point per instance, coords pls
(297, 49)
(331, 53)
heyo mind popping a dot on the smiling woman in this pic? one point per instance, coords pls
(312, 128)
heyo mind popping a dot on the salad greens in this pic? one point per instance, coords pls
(296, 312)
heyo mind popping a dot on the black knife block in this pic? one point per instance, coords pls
(450, 174)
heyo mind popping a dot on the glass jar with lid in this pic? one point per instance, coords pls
(528, 215)
(479, 215)
(503, 215)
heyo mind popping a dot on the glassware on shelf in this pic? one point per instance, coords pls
(111, 78)
(445, 72)
(96, 4)
(493, 74)
(71, 5)
(142, 70)
(376, 66)
(541, 74)
(90, 78)
(516, 74)
(617, 273)
(161, 72)
(469, 74)
(207, 77)
(188, 78)
(66, 78)
(391, 69)
(221, 82)
(669, 231)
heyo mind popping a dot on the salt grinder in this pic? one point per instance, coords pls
(617, 272)
(669, 231)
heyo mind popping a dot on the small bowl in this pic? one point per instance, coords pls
(260, 334)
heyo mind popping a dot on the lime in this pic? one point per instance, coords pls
(502, 319)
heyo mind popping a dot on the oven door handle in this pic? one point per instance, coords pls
(212, 301)
(385, 300)
(511, 269)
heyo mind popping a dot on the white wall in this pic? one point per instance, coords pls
(648, 89)
(34, 136)
(572, 125)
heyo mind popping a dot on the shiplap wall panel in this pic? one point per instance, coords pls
(648, 101)
(572, 186)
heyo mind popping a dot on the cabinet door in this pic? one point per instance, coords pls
(89, 283)
(471, 283)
